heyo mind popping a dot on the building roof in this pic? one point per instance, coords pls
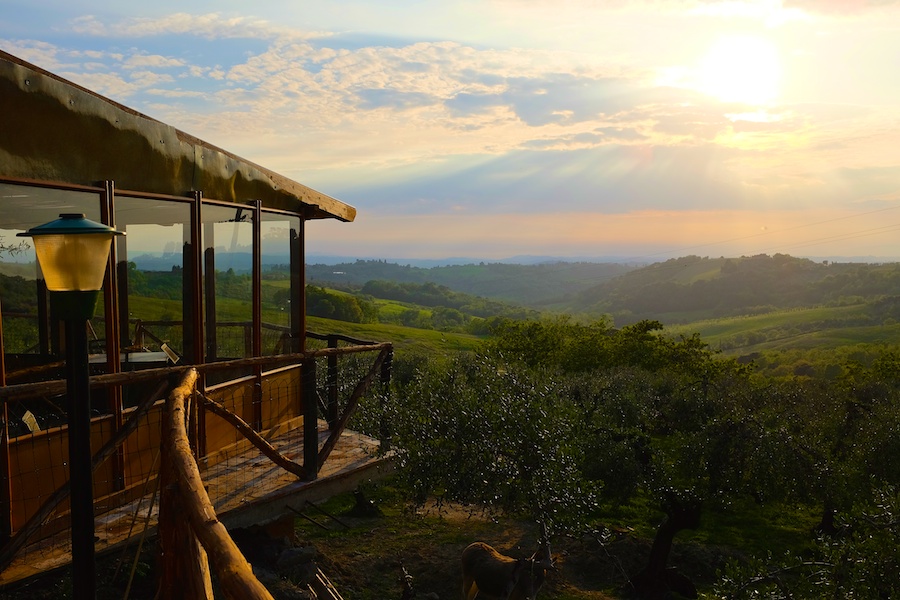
(52, 129)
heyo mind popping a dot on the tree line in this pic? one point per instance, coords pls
(427, 306)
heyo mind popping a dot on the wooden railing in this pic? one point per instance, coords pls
(44, 510)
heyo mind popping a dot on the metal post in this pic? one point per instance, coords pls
(73, 293)
(80, 474)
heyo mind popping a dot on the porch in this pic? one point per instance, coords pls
(303, 452)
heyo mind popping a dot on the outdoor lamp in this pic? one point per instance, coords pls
(72, 252)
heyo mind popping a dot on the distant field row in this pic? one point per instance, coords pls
(802, 328)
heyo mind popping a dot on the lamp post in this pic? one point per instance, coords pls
(73, 252)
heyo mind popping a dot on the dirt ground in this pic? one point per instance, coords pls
(365, 558)
(369, 562)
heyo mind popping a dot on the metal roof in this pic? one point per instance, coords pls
(54, 130)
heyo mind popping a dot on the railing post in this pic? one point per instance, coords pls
(386, 367)
(310, 419)
(384, 427)
(332, 412)
(248, 339)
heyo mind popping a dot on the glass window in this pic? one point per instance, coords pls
(154, 286)
(228, 280)
(279, 235)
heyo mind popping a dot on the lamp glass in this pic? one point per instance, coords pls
(73, 262)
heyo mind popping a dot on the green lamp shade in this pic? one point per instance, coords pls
(72, 252)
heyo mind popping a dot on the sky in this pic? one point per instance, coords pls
(489, 129)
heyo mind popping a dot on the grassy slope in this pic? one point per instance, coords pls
(403, 338)
(813, 327)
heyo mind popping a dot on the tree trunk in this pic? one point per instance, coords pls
(655, 581)
(827, 524)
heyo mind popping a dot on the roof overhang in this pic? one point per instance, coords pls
(55, 130)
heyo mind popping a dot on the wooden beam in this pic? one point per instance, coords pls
(352, 403)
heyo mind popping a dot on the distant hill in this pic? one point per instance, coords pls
(679, 290)
(540, 285)
(693, 288)
(815, 315)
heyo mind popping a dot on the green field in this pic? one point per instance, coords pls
(801, 328)
(403, 338)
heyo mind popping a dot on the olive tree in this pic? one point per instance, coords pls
(475, 430)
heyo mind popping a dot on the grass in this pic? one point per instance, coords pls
(403, 338)
(365, 561)
(715, 329)
(757, 529)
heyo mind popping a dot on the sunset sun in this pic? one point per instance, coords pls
(740, 69)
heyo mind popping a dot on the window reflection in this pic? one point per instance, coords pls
(154, 287)
(278, 235)
(227, 281)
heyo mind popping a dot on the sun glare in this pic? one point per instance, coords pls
(740, 69)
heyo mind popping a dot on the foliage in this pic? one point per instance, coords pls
(573, 348)
(861, 561)
(635, 413)
(529, 285)
(343, 307)
(13, 248)
(17, 294)
(520, 452)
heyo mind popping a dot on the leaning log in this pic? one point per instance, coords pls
(234, 573)
(257, 440)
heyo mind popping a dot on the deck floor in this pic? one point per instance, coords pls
(246, 489)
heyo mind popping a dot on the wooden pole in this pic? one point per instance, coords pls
(184, 565)
(234, 573)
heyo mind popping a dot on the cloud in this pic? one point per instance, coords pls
(151, 61)
(408, 127)
(841, 6)
(210, 25)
